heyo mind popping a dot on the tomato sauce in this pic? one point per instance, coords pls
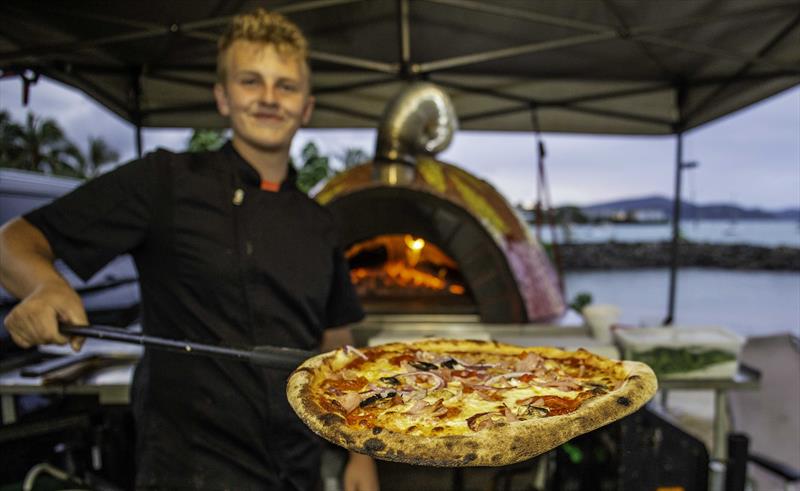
(330, 406)
(398, 360)
(464, 373)
(359, 417)
(346, 384)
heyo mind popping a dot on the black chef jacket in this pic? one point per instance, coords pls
(222, 262)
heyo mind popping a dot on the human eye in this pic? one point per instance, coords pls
(248, 80)
(288, 86)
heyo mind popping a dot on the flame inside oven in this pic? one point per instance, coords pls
(402, 265)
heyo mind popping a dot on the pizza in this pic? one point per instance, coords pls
(450, 403)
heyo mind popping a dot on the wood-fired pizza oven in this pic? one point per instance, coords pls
(445, 242)
(426, 237)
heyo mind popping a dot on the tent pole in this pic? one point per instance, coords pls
(404, 37)
(676, 219)
(138, 141)
(136, 111)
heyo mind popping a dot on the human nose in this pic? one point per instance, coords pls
(268, 95)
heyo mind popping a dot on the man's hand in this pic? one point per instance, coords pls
(35, 319)
(360, 473)
(27, 272)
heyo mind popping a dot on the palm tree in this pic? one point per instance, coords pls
(10, 133)
(45, 148)
(100, 153)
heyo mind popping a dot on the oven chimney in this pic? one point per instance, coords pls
(420, 120)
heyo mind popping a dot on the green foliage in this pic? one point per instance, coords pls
(665, 360)
(315, 168)
(353, 156)
(580, 301)
(206, 140)
(10, 140)
(40, 145)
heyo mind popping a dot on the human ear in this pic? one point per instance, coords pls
(221, 97)
(308, 109)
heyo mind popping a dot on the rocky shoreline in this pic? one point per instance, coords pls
(626, 255)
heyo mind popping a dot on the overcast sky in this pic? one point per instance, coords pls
(751, 157)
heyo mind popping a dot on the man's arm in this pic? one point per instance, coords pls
(360, 472)
(28, 273)
(336, 338)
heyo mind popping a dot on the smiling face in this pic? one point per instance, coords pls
(265, 93)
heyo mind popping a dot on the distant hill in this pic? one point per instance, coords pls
(713, 211)
(788, 214)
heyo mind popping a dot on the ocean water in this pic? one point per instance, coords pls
(768, 233)
(751, 303)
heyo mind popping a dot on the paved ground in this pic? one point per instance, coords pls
(770, 416)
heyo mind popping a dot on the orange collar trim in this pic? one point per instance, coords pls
(270, 186)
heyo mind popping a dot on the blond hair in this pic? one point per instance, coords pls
(265, 27)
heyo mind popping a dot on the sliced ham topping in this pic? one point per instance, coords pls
(438, 409)
(505, 376)
(535, 400)
(479, 421)
(421, 407)
(445, 373)
(529, 363)
(510, 416)
(349, 401)
(437, 380)
(564, 385)
(418, 407)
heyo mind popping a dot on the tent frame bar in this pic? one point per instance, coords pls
(676, 230)
(598, 33)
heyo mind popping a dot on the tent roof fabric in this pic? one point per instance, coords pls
(609, 66)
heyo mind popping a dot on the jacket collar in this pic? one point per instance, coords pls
(248, 174)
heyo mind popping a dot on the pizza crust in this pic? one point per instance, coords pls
(500, 445)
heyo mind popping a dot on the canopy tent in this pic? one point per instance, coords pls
(606, 66)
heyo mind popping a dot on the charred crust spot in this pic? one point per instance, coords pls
(496, 458)
(374, 445)
(305, 369)
(377, 430)
(469, 458)
(471, 444)
(330, 419)
(624, 401)
(449, 445)
(438, 429)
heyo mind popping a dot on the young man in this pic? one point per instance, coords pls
(228, 252)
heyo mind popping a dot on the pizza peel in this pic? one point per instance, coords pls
(265, 356)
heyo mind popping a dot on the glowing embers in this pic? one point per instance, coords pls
(402, 266)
